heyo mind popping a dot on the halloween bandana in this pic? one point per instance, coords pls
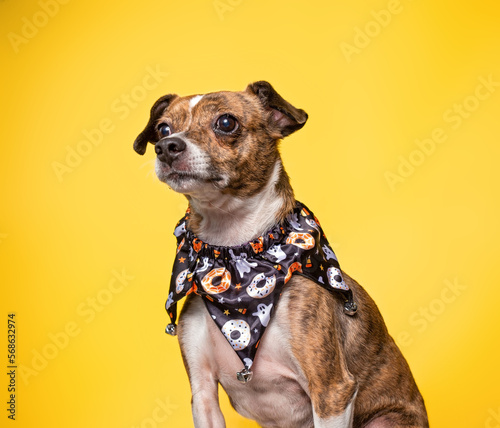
(241, 285)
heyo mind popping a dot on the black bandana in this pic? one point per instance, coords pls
(241, 285)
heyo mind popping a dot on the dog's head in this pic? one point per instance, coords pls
(222, 140)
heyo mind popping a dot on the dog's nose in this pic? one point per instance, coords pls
(169, 148)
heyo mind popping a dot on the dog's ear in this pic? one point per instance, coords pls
(284, 118)
(149, 134)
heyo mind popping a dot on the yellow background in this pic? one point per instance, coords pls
(65, 238)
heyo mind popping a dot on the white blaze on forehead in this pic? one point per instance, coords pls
(195, 100)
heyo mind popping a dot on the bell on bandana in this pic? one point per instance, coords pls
(245, 375)
(171, 329)
(350, 307)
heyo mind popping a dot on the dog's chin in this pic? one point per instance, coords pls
(181, 182)
(186, 182)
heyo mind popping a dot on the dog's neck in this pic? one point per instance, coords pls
(226, 220)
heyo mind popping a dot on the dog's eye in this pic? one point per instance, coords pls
(164, 130)
(226, 124)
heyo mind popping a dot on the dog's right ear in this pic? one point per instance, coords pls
(149, 133)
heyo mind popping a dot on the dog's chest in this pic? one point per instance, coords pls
(277, 394)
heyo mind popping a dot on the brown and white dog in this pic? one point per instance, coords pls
(325, 370)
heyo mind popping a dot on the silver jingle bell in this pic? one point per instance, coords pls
(350, 308)
(245, 375)
(171, 329)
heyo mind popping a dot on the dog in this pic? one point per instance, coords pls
(326, 358)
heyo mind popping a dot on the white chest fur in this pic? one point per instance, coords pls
(277, 394)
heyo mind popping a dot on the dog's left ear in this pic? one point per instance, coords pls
(149, 134)
(284, 118)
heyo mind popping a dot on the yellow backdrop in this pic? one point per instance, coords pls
(399, 159)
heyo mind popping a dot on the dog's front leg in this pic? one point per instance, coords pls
(205, 403)
(341, 420)
(316, 345)
(197, 353)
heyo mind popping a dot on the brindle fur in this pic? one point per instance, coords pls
(352, 353)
